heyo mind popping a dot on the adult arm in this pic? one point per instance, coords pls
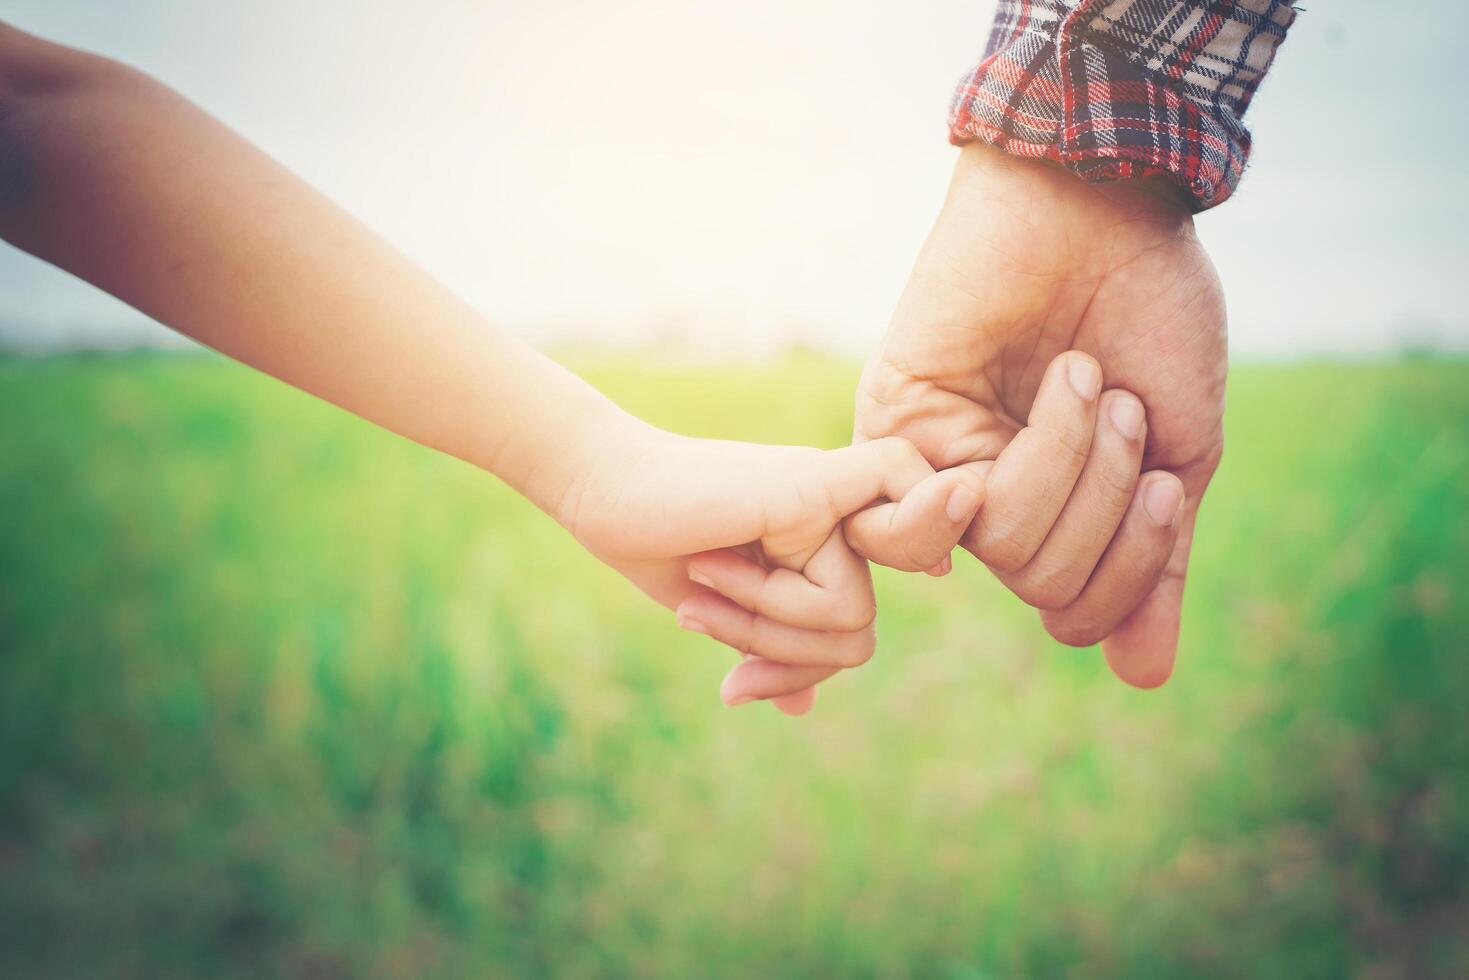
(1091, 131)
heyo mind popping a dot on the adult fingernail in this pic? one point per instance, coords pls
(697, 576)
(1163, 500)
(691, 624)
(963, 502)
(1084, 376)
(738, 700)
(1127, 416)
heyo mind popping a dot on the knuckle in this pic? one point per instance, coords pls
(739, 642)
(1072, 442)
(762, 598)
(1213, 458)
(768, 639)
(1145, 565)
(1003, 545)
(873, 538)
(920, 555)
(860, 531)
(1049, 590)
(742, 639)
(1116, 477)
(1000, 559)
(851, 617)
(1075, 631)
(886, 554)
(897, 452)
(857, 651)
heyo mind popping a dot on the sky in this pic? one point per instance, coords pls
(747, 176)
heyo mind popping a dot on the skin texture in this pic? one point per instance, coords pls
(1025, 262)
(117, 179)
(120, 181)
(744, 541)
(1071, 422)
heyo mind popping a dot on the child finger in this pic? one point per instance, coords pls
(854, 476)
(842, 602)
(748, 632)
(919, 531)
(792, 688)
(795, 704)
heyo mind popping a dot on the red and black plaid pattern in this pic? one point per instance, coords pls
(1124, 88)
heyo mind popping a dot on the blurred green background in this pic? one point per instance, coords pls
(282, 695)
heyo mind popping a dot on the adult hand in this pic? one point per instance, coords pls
(1025, 262)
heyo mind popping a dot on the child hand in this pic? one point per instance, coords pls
(743, 541)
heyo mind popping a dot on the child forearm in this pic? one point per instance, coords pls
(115, 178)
(122, 182)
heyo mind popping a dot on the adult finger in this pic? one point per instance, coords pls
(917, 532)
(748, 632)
(1144, 647)
(1131, 566)
(1035, 473)
(1093, 512)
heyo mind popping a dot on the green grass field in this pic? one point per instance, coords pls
(282, 695)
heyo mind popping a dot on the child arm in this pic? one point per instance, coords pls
(112, 176)
(117, 179)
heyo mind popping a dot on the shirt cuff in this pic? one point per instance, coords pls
(1114, 89)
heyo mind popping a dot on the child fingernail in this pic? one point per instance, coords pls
(1163, 501)
(962, 504)
(699, 577)
(1085, 377)
(730, 693)
(692, 625)
(1127, 416)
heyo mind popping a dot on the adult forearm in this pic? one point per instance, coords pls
(119, 180)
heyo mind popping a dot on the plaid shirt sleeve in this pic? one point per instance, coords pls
(1114, 89)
